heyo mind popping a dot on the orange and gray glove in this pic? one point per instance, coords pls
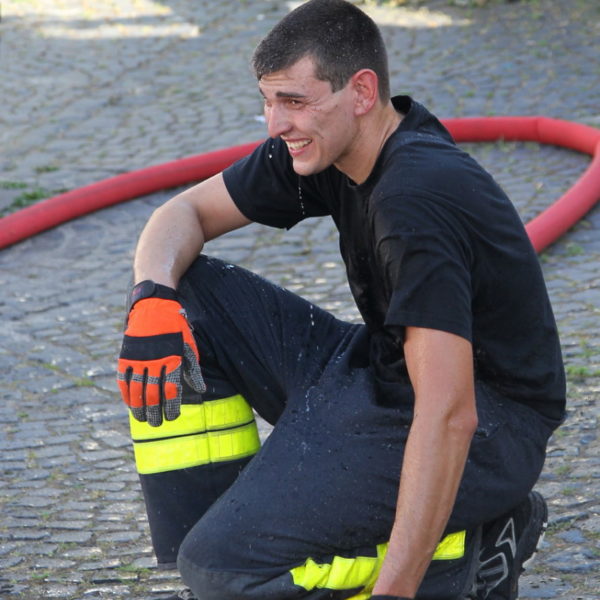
(158, 350)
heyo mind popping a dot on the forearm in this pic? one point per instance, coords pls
(170, 241)
(435, 455)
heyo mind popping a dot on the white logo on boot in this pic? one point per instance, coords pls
(493, 571)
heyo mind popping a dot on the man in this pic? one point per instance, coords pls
(404, 450)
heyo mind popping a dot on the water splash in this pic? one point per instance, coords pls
(302, 207)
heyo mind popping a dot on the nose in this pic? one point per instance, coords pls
(278, 121)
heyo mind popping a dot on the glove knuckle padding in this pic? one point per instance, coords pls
(152, 347)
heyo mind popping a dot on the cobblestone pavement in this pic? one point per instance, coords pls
(92, 88)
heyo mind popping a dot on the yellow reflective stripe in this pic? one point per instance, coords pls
(213, 431)
(197, 418)
(362, 571)
(342, 573)
(451, 547)
(195, 450)
(191, 420)
(227, 412)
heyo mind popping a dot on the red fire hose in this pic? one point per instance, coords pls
(583, 194)
(543, 229)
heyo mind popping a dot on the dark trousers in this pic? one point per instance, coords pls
(309, 514)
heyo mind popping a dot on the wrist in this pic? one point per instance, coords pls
(149, 289)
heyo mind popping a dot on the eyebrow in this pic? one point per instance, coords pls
(284, 94)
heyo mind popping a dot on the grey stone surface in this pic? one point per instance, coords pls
(93, 89)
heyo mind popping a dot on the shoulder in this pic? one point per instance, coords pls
(433, 169)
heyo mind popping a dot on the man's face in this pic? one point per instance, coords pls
(317, 125)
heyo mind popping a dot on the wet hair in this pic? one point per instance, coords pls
(339, 37)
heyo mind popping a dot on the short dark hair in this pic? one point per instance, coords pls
(338, 36)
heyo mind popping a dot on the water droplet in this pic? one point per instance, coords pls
(302, 207)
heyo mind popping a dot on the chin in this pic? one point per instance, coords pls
(306, 169)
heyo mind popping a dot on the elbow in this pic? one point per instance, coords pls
(457, 422)
(464, 422)
(460, 415)
(470, 424)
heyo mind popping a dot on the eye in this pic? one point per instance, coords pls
(294, 103)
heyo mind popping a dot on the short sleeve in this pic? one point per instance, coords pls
(425, 268)
(266, 189)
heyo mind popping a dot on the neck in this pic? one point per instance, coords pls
(374, 130)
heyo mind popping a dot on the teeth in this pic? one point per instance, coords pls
(297, 145)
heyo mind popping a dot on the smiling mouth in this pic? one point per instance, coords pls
(296, 146)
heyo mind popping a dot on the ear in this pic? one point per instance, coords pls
(366, 91)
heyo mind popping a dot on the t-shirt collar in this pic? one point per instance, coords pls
(415, 118)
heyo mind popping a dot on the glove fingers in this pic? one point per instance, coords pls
(172, 404)
(124, 373)
(144, 395)
(137, 396)
(192, 372)
(154, 415)
(139, 412)
(132, 398)
(164, 392)
(147, 385)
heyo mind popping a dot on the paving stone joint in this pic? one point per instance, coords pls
(92, 89)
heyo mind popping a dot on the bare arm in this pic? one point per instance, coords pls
(440, 367)
(176, 232)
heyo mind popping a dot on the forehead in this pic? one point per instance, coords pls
(297, 80)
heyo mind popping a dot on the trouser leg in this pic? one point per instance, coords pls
(186, 464)
(246, 331)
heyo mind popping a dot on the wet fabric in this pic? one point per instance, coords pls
(186, 464)
(325, 482)
(429, 240)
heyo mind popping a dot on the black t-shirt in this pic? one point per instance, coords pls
(429, 240)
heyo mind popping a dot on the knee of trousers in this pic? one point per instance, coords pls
(210, 432)
(208, 569)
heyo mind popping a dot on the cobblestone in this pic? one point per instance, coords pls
(92, 89)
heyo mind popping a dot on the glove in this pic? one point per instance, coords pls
(158, 348)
